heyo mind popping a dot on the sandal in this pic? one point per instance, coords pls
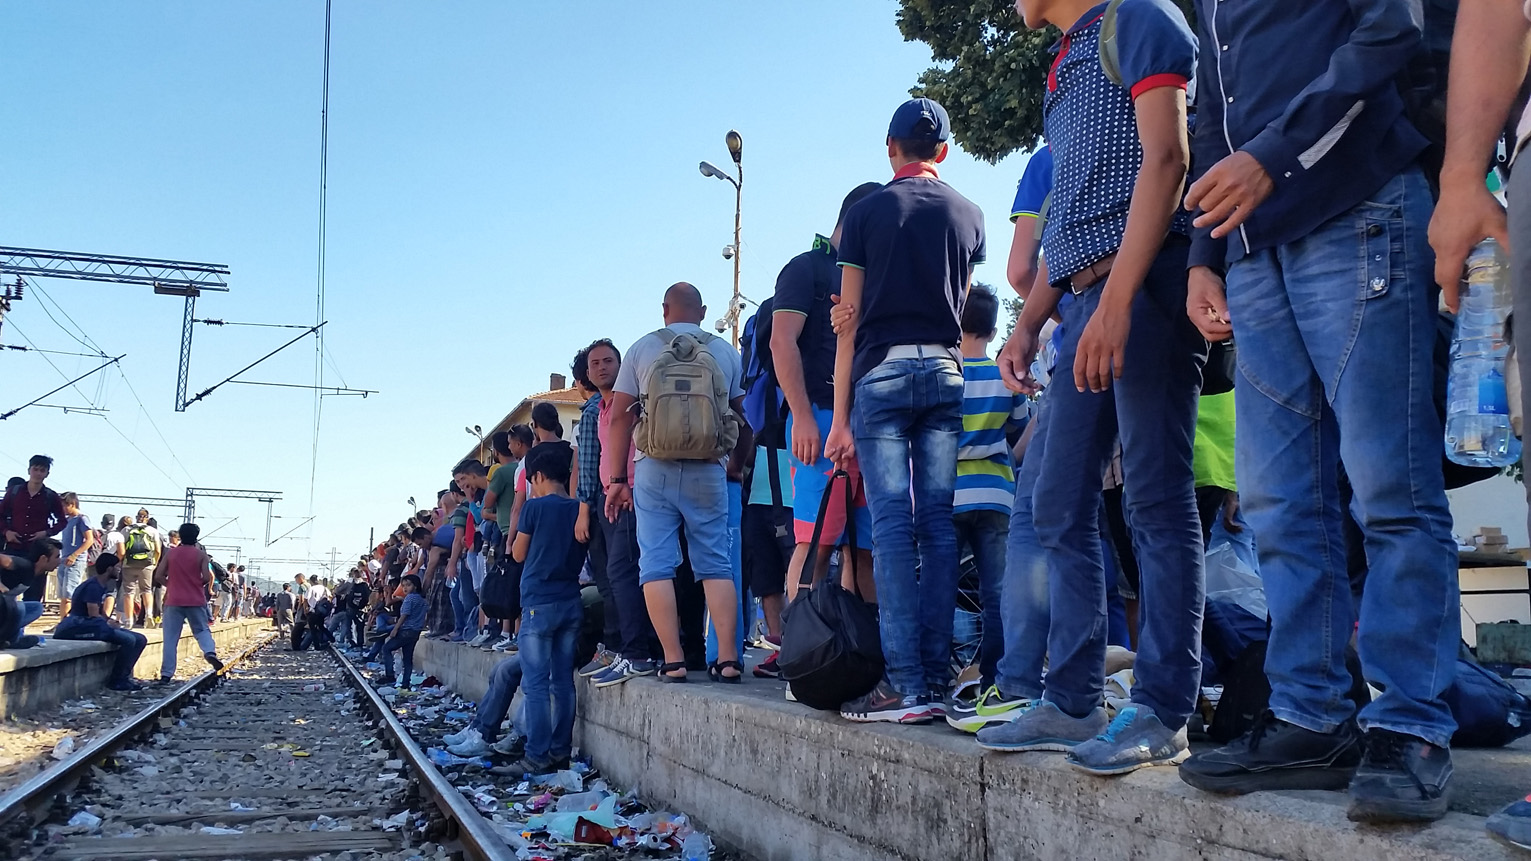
(715, 672)
(666, 669)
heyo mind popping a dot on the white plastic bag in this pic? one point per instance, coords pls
(1229, 579)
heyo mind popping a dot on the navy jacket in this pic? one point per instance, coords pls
(1307, 88)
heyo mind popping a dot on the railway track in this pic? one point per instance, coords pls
(282, 755)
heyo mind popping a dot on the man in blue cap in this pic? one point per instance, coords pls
(907, 254)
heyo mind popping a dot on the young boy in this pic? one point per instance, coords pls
(906, 255)
(985, 481)
(283, 610)
(1116, 239)
(551, 611)
(406, 632)
(78, 538)
(87, 620)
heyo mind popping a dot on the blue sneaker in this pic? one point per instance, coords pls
(1512, 825)
(621, 671)
(1042, 726)
(1135, 739)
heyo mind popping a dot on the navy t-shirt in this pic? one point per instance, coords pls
(918, 240)
(804, 287)
(553, 557)
(89, 592)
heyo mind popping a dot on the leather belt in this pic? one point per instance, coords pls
(923, 351)
(1091, 275)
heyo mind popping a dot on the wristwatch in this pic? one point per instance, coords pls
(619, 479)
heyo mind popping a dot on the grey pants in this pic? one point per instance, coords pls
(1519, 193)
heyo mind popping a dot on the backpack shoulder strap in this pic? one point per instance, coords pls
(1047, 203)
(1110, 51)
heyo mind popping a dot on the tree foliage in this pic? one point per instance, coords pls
(990, 71)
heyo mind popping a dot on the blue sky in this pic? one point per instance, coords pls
(507, 181)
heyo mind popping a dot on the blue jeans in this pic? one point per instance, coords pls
(637, 640)
(29, 612)
(735, 558)
(404, 641)
(130, 644)
(669, 495)
(906, 419)
(548, 636)
(1335, 332)
(986, 533)
(174, 618)
(71, 576)
(1153, 409)
(465, 602)
(492, 709)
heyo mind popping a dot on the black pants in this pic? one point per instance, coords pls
(637, 641)
(611, 631)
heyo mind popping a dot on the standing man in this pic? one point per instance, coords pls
(29, 512)
(683, 378)
(142, 552)
(592, 506)
(1313, 212)
(803, 356)
(907, 254)
(78, 538)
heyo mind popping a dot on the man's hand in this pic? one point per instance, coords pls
(1228, 193)
(734, 471)
(39, 535)
(1465, 215)
(839, 316)
(618, 497)
(1015, 359)
(1206, 302)
(805, 438)
(840, 446)
(1102, 350)
(582, 525)
(11, 537)
(111, 622)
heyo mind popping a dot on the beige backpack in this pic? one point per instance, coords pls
(685, 410)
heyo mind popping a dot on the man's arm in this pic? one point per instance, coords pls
(1155, 198)
(840, 447)
(743, 446)
(1021, 269)
(786, 328)
(619, 441)
(1492, 52)
(518, 549)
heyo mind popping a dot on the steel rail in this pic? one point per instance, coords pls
(476, 834)
(42, 787)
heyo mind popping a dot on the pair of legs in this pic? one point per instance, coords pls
(495, 705)
(547, 640)
(765, 534)
(635, 639)
(130, 644)
(668, 497)
(28, 612)
(69, 578)
(137, 592)
(809, 483)
(403, 641)
(174, 618)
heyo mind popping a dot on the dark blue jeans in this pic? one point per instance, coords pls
(1153, 409)
(985, 533)
(1335, 333)
(130, 644)
(404, 641)
(548, 636)
(496, 703)
(638, 641)
(906, 420)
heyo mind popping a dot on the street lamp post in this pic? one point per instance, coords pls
(735, 143)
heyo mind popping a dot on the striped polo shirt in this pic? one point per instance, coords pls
(985, 473)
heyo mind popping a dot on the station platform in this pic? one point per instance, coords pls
(59, 670)
(780, 781)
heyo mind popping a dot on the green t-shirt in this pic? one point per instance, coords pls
(1212, 451)
(503, 485)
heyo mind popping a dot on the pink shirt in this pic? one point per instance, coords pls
(183, 583)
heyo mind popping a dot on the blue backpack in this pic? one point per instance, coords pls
(764, 407)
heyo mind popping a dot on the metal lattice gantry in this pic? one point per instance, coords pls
(266, 496)
(174, 277)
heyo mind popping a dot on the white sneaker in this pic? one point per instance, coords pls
(458, 737)
(506, 644)
(508, 744)
(473, 745)
(494, 640)
(480, 640)
(790, 697)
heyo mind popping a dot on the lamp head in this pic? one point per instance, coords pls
(709, 169)
(735, 145)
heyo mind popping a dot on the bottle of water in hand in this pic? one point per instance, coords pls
(1478, 431)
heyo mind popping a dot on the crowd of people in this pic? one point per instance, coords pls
(1268, 269)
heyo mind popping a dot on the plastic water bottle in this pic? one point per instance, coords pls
(698, 847)
(1478, 431)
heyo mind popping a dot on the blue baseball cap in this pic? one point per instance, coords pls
(920, 119)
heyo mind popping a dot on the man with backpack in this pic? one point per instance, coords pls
(141, 552)
(687, 384)
(801, 360)
(1312, 213)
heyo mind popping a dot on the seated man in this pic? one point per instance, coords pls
(478, 737)
(87, 620)
(17, 574)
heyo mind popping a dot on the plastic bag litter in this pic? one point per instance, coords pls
(85, 819)
(578, 801)
(387, 691)
(213, 829)
(442, 759)
(567, 780)
(394, 822)
(1229, 578)
(64, 749)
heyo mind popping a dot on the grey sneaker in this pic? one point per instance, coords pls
(1135, 739)
(481, 639)
(1042, 726)
(511, 744)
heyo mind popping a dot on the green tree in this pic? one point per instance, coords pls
(990, 72)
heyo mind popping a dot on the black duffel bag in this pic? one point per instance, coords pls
(831, 652)
(500, 596)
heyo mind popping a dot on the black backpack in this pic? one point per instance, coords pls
(138, 548)
(831, 651)
(500, 596)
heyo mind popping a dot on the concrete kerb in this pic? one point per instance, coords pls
(62, 670)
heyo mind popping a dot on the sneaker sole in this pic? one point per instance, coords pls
(1382, 811)
(1508, 840)
(613, 682)
(971, 723)
(902, 716)
(1330, 779)
(1127, 768)
(1041, 745)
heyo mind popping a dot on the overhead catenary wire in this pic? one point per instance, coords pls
(39, 398)
(324, 161)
